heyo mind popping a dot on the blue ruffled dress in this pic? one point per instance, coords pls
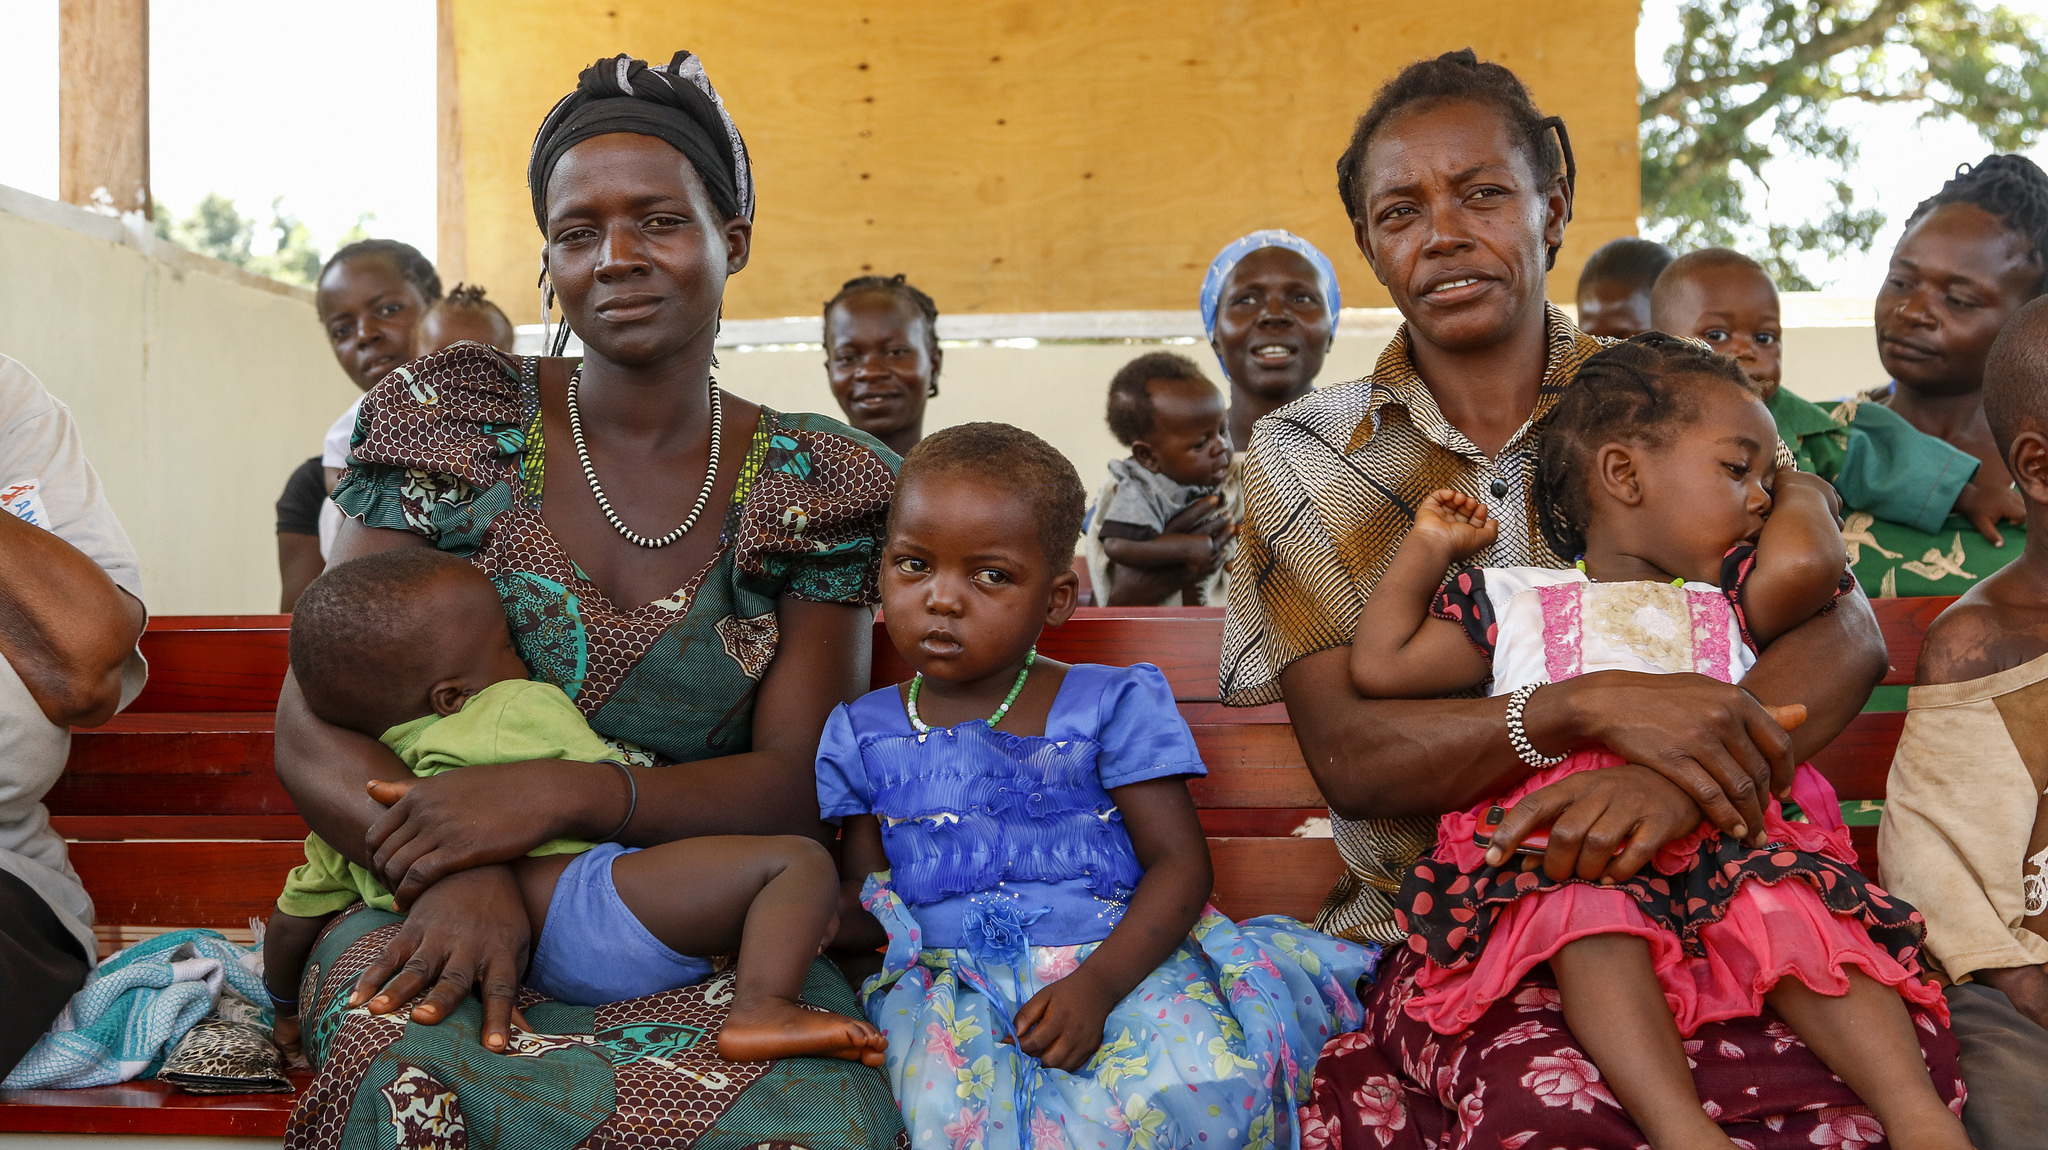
(1009, 865)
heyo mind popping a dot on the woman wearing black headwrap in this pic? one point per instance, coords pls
(688, 537)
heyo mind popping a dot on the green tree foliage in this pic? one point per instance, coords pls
(212, 228)
(1751, 80)
(360, 230)
(215, 227)
(294, 258)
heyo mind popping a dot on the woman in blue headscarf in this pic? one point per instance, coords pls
(1269, 304)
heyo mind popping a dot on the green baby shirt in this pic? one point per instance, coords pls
(506, 722)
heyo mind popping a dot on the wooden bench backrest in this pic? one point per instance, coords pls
(178, 818)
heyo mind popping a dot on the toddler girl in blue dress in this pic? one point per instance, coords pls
(1022, 839)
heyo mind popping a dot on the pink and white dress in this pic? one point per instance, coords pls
(1725, 922)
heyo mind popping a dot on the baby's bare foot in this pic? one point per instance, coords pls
(771, 1028)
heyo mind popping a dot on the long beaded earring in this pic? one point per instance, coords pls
(555, 342)
(547, 302)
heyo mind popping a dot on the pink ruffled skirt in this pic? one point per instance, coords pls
(1725, 923)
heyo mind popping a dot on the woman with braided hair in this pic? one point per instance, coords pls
(656, 544)
(1971, 255)
(1695, 553)
(1459, 191)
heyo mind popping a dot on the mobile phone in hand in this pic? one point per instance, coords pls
(1536, 842)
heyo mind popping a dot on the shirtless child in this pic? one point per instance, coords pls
(1965, 832)
(411, 647)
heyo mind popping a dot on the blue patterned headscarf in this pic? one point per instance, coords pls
(1233, 253)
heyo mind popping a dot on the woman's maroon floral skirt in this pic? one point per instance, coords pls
(1518, 1080)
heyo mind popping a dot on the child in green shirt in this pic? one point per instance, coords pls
(1877, 461)
(411, 646)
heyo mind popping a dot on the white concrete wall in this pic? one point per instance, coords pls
(197, 386)
(1830, 345)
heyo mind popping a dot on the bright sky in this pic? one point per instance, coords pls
(329, 105)
(332, 107)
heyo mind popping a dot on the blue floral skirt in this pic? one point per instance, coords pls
(1216, 1048)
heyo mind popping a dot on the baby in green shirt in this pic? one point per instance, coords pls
(1878, 462)
(411, 646)
(510, 721)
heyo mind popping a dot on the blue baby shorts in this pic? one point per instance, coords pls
(593, 951)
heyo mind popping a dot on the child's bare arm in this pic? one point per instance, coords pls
(860, 855)
(1159, 551)
(1799, 559)
(1062, 1025)
(1401, 651)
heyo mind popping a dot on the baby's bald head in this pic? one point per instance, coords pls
(1674, 297)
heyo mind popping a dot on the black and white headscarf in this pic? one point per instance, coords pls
(674, 103)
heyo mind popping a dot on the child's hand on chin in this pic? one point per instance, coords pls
(1457, 521)
(1062, 1025)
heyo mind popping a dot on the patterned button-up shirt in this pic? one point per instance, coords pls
(1331, 483)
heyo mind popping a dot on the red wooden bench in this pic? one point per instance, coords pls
(177, 819)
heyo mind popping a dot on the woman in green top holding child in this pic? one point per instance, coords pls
(1880, 464)
(1972, 255)
(1922, 506)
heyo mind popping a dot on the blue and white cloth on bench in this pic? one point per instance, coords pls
(133, 1010)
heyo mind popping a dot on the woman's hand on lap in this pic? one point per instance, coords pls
(1603, 824)
(1714, 740)
(1062, 1025)
(467, 933)
(1985, 509)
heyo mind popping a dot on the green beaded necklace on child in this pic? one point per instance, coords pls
(1016, 688)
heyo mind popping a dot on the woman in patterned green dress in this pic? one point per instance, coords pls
(544, 472)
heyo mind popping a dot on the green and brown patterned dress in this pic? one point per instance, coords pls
(450, 448)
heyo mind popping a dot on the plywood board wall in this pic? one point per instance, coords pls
(1036, 155)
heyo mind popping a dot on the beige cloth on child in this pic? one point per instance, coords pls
(1965, 831)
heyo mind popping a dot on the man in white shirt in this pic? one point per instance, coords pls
(70, 616)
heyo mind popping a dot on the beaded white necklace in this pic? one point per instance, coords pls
(605, 505)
